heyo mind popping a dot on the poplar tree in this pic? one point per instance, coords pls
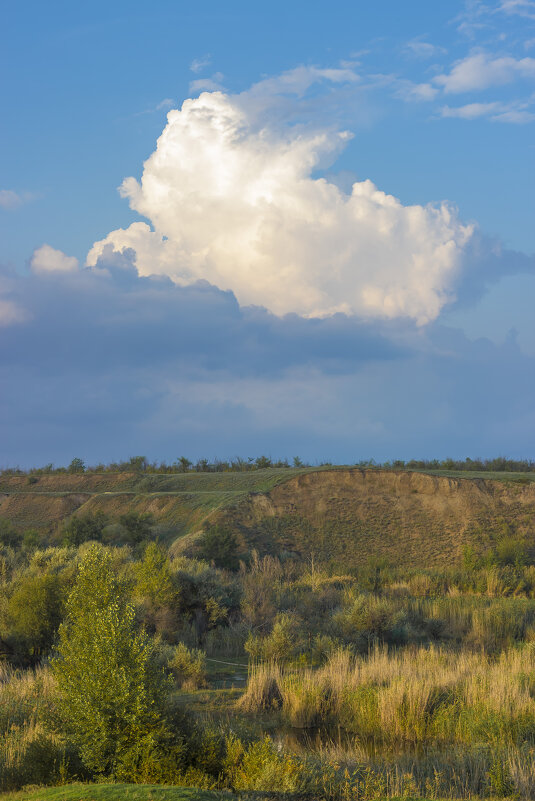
(111, 693)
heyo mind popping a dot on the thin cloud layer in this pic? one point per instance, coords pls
(234, 200)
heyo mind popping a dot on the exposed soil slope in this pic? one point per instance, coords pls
(350, 516)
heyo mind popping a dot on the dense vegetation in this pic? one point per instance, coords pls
(123, 660)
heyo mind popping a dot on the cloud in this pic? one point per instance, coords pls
(418, 48)
(47, 260)
(481, 71)
(522, 8)
(213, 84)
(415, 92)
(167, 102)
(11, 311)
(111, 352)
(471, 111)
(199, 64)
(515, 113)
(515, 116)
(128, 364)
(233, 198)
(10, 200)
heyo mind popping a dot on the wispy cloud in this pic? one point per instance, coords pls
(163, 105)
(10, 199)
(482, 71)
(199, 64)
(212, 84)
(420, 49)
(522, 8)
(516, 112)
(415, 92)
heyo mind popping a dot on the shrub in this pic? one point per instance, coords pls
(219, 544)
(82, 528)
(189, 667)
(263, 767)
(283, 643)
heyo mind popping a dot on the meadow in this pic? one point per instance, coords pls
(246, 674)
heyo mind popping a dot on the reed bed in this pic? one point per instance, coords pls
(418, 695)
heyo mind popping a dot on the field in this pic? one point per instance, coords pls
(331, 634)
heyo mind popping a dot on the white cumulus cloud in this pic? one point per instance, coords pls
(47, 259)
(233, 198)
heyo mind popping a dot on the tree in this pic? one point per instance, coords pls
(34, 613)
(82, 528)
(76, 466)
(111, 692)
(154, 580)
(219, 545)
(9, 536)
(138, 526)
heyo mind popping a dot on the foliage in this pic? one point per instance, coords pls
(219, 544)
(111, 694)
(83, 528)
(154, 581)
(9, 536)
(138, 526)
(35, 611)
(189, 667)
(283, 643)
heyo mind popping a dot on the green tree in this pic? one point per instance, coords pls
(81, 528)
(34, 613)
(9, 535)
(77, 465)
(138, 526)
(154, 580)
(111, 693)
(31, 540)
(219, 545)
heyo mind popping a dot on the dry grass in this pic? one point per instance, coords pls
(416, 695)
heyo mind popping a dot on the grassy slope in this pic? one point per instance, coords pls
(115, 792)
(179, 502)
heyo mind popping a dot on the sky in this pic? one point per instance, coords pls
(284, 229)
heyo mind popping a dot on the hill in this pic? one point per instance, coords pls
(345, 515)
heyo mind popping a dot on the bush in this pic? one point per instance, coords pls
(189, 667)
(218, 544)
(284, 642)
(83, 528)
(263, 767)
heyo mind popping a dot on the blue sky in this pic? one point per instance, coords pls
(327, 250)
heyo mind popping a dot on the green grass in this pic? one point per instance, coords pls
(516, 478)
(115, 792)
